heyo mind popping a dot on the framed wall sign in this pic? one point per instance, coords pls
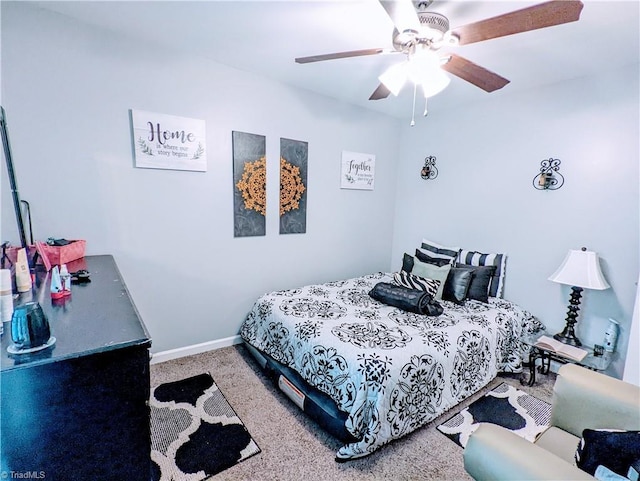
(164, 141)
(358, 171)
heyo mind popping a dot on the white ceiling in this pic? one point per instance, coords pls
(265, 36)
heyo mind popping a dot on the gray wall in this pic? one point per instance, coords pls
(67, 90)
(483, 198)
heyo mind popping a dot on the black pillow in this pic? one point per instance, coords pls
(407, 263)
(436, 261)
(480, 281)
(457, 285)
(412, 300)
(616, 450)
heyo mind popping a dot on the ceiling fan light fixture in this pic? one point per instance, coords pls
(433, 26)
(435, 85)
(422, 64)
(424, 69)
(394, 77)
(450, 39)
(417, 29)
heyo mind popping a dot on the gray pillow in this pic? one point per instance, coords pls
(430, 271)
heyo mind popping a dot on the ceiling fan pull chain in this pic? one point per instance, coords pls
(413, 113)
(425, 107)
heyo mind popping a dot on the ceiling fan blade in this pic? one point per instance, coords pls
(531, 18)
(402, 13)
(381, 92)
(474, 73)
(333, 56)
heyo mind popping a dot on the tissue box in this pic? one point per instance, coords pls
(64, 254)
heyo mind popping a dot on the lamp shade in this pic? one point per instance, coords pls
(580, 268)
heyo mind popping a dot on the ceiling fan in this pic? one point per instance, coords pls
(419, 33)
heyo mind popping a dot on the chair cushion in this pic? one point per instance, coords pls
(559, 442)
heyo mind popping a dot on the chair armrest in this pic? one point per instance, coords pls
(588, 399)
(496, 454)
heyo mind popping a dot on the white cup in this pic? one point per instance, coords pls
(6, 296)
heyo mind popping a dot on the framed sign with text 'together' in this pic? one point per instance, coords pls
(358, 171)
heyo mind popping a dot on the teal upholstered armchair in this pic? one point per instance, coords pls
(582, 399)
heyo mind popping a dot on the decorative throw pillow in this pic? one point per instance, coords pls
(457, 285)
(436, 261)
(412, 281)
(437, 251)
(480, 281)
(429, 271)
(617, 450)
(474, 258)
(407, 262)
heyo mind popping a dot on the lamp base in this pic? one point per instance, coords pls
(568, 335)
(567, 338)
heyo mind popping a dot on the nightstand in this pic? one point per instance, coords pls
(591, 361)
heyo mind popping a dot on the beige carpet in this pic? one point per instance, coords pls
(295, 449)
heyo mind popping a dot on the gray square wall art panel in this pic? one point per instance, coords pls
(293, 186)
(249, 184)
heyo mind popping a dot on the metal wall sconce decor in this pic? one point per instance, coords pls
(429, 171)
(549, 177)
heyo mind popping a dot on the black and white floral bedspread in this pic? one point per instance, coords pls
(392, 371)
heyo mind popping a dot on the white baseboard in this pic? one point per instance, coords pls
(164, 356)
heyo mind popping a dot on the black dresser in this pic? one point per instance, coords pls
(79, 409)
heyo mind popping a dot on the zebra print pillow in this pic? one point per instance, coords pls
(406, 279)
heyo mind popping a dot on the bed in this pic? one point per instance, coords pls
(369, 372)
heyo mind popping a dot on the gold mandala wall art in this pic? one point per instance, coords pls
(291, 187)
(249, 184)
(253, 185)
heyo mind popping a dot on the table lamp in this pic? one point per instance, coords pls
(580, 270)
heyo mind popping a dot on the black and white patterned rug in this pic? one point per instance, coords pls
(195, 433)
(506, 406)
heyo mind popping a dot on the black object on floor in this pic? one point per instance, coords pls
(194, 430)
(505, 406)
